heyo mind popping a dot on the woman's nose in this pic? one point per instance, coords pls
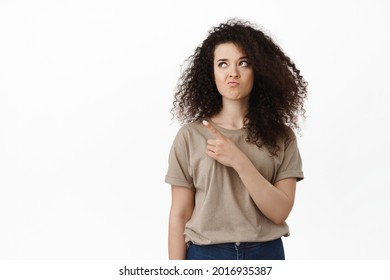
(233, 74)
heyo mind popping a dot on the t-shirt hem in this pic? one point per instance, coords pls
(290, 174)
(177, 182)
(215, 242)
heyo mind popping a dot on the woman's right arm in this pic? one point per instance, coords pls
(183, 202)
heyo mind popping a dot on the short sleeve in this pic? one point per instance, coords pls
(178, 164)
(291, 165)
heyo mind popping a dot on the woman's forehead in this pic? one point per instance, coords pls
(228, 49)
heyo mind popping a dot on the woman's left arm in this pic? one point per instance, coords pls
(274, 201)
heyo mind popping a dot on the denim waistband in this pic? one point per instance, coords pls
(239, 244)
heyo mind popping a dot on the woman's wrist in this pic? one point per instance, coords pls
(240, 162)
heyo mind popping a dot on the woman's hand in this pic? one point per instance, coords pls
(222, 149)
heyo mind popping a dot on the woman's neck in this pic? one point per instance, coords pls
(231, 115)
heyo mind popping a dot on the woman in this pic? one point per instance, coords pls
(234, 165)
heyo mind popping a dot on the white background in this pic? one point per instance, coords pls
(85, 128)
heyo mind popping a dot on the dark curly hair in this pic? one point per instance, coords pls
(278, 92)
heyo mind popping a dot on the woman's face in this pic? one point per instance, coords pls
(233, 73)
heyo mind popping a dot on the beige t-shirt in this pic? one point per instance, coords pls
(224, 211)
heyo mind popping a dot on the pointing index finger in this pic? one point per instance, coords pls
(212, 129)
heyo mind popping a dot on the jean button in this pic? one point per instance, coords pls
(238, 243)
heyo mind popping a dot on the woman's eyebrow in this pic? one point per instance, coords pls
(225, 59)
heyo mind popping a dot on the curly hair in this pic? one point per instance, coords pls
(278, 92)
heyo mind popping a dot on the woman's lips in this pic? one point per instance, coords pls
(233, 83)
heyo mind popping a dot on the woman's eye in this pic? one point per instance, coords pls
(222, 64)
(244, 63)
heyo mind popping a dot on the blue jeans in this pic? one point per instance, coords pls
(270, 250)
